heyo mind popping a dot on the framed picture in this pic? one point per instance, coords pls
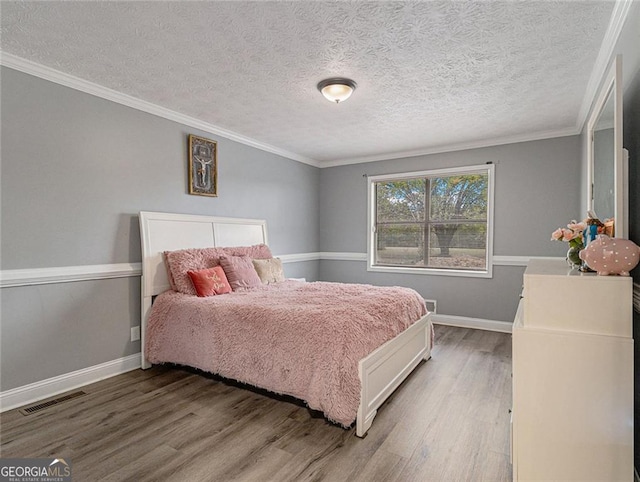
(203, 166)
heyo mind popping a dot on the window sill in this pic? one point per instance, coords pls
(430, 271)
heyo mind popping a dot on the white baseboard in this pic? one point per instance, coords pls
(475, 323)
(17, 397)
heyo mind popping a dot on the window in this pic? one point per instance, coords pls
(437, 222)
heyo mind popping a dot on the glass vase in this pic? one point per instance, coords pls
(573, 257)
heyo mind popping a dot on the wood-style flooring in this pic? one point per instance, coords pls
(449, 421)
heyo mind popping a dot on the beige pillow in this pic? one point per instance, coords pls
(269, 270)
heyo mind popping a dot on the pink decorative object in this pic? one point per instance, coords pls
(610, 256)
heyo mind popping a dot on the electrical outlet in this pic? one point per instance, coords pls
(135, 333)
(431, 305)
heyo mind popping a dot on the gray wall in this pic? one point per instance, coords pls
(76, 170)
(537, 190)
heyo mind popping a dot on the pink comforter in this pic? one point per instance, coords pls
(293, 338)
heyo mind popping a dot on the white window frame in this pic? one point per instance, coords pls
(488, 169)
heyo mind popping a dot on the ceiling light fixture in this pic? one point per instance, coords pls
(337, 89)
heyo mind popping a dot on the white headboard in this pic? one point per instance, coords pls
(161, 232)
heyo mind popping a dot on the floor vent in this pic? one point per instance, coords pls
(50, 403)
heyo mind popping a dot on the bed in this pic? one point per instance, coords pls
(379, 372)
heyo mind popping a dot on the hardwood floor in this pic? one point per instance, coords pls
(449, 421)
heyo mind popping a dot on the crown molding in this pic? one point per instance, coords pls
(91, 88)
(463, 146)
(47, 73)
(618, 18)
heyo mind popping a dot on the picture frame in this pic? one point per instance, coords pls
(203, 166)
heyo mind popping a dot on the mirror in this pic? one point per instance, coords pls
(606, 189)
(603, 196)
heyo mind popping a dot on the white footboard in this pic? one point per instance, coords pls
(386, 368)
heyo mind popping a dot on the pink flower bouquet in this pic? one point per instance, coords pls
(572, 234)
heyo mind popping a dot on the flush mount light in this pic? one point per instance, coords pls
(337, 89)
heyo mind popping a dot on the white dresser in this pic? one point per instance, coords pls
(572, 376)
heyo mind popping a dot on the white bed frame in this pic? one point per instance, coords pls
(380, 373)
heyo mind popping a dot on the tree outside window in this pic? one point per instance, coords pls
(437, 220)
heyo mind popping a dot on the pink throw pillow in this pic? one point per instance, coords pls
(240, 272)
(210, 281)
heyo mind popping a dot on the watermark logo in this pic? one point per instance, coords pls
(35, 470)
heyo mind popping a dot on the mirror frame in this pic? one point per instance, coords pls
(612, 84)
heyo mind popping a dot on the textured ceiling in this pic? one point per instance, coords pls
(429, 74)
